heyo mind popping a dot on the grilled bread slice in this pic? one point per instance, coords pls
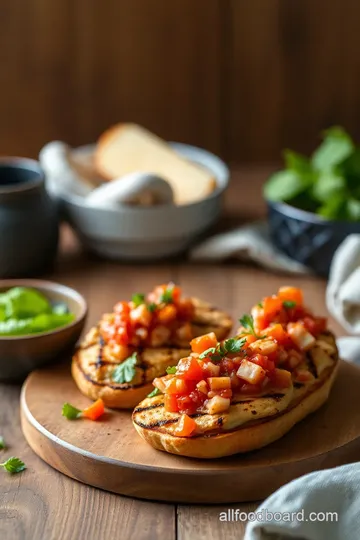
(94, 363)
(250, 423)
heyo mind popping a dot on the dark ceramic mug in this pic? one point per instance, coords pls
(28, 219)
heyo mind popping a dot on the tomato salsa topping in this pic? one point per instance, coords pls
(160, 318)
(266, 355)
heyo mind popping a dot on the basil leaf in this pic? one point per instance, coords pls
(23, 302)
(154, 393)
(125, 372)
(337, 145)
(285, 185)
(328, 184)
(297, 162)
(138, 299)
(353, 209)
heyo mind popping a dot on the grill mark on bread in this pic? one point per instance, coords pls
(149, 408)
(99, 360)
(157, 424)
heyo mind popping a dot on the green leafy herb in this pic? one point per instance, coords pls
(151, 307)
(335, 148)
(167, 295)
(70, 412)
(13, 465)
(2, 443)
(171, 370)
(125, 372)
(229, 346)
(327, 184)
(60, 308)
(208, 352)
(138, 299)
(247, 322)
(289, 304)
(260, 305)
(233, 345)
(154, 393)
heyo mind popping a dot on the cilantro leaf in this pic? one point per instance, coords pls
(288, 304)
(171, 370)
(70, 412)
(125, 372)
(138, 299)
(2, 443)
(151, 307)
(233, 345)
(154, 393)
(247, 321)
(208, 352)
(167, 295)
(337, 145)
(13, 465)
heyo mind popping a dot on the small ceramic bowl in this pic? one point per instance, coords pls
(19, 355)
(306, 237)
(134, 233)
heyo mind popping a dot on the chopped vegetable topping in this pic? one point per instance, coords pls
(267, 355)
(125, 372)
(13, 465)
(154, 320)
(93, 412)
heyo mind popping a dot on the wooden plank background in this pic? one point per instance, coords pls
(243, 79)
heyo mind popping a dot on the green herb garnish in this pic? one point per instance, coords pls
(2, 443)
(327, 183)
(125, 372)
(70, 412)
(229, 346)
(154, 393)
(260, 305)
(171, 370)
(247, 321)
(138, 299)
(167, 295)
(13, 465)
(289, 304)
(151, 307)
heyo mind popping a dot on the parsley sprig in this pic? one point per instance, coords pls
(70, 412)
(138, 299)
(125, 372)
(13, 465)
(229, 346)
(171, 370)
(247, 321)
(2, 443)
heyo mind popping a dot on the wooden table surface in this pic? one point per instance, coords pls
(41, 503)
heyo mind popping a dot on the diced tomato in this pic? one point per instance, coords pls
(185, 427)
(171, 403)
(278, 333)
(315, 325)
(250, 338)
(291, 294)
(303, 375)
(179, 386)
(260, 320)
(188, 368)
(122, 307)
(123, 335)
(202, 343)
(250, 389)
(280, 378)
(190, 403)
(185, 309)
(300, 336)
(272, 306)
(227, 366)
(262, 361)
(209, 369)
(95, 410)
(166, 314)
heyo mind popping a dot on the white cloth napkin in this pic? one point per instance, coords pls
(312, 496)
(249, 242)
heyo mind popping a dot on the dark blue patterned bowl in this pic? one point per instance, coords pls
(306, 237)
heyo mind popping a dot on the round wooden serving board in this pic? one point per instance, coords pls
(110, 455)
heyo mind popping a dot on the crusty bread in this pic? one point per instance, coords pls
(126, 148)
(245, 438)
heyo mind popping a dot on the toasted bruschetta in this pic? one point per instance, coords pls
(245, 392)
(120, 357)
